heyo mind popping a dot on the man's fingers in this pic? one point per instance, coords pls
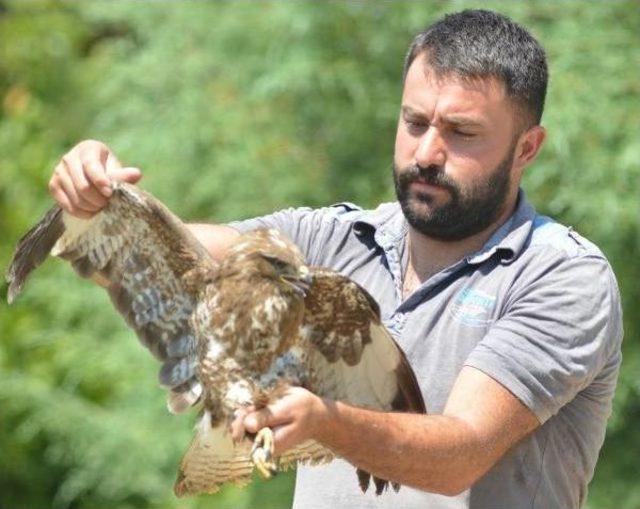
(86, 195)
(66, 184)
(97, 176)
(64, 202)
(269, 416)
(112, 163)
(255, 421)
(82, 181)
(284, 438)
(293, 404)
(128, 174)
(237, 425)
(61, 198)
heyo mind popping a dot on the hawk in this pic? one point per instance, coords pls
(229, 334)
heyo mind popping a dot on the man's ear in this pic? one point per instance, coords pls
(528, 146)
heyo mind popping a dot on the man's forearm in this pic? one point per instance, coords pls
(216, 238)
(435, 453)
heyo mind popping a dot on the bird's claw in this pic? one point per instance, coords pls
(262, 454)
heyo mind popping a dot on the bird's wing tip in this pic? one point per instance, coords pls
(13, 289)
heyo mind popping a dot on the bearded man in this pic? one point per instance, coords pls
(510, 320)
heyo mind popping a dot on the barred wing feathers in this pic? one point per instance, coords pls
(150, 264)
(351, 355)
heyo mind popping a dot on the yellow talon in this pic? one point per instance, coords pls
(262, 453)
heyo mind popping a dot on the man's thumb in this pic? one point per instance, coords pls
(129, 174)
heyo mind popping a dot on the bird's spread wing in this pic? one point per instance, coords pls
(351, 356)
(149, 263)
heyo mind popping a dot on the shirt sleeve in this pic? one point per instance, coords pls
(559, 331)
(310, 229)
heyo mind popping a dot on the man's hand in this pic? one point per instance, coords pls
(81, 184)
(81, 181)
(293, 418)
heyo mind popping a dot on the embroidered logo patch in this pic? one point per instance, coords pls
(473, 307)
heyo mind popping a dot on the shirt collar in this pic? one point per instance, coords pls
(386, 224)
(389, 226)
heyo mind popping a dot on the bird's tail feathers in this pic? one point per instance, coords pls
(213, 459)
(32, 250)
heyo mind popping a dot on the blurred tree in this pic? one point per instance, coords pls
(234, 109)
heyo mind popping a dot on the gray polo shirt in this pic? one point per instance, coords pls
(537, 309)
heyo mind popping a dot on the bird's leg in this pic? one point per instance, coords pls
(262, 453)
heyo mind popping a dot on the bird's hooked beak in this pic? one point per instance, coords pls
(301, 282)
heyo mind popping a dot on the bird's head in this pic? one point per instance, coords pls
(267, 253)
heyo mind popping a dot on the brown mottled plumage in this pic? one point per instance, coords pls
(231, 334)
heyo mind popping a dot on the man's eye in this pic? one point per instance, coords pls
(463, 134)
(416, 126)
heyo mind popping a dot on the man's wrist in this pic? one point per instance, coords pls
(325, 419)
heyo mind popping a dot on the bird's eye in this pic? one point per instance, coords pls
(275, 261)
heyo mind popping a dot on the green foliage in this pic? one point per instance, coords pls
(233, 109)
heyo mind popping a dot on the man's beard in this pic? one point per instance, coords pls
(469, 210)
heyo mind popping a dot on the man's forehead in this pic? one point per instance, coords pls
(456, 93)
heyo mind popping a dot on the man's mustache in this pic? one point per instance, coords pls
(432, 174)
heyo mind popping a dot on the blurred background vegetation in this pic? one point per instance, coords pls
(234, 109)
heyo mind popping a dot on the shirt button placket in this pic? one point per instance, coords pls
(393, 260)
(395, 323)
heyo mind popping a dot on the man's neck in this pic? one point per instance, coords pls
(427, 255)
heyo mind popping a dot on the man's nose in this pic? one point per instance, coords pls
(431, 149)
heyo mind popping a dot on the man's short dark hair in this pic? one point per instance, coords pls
(479, 44)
